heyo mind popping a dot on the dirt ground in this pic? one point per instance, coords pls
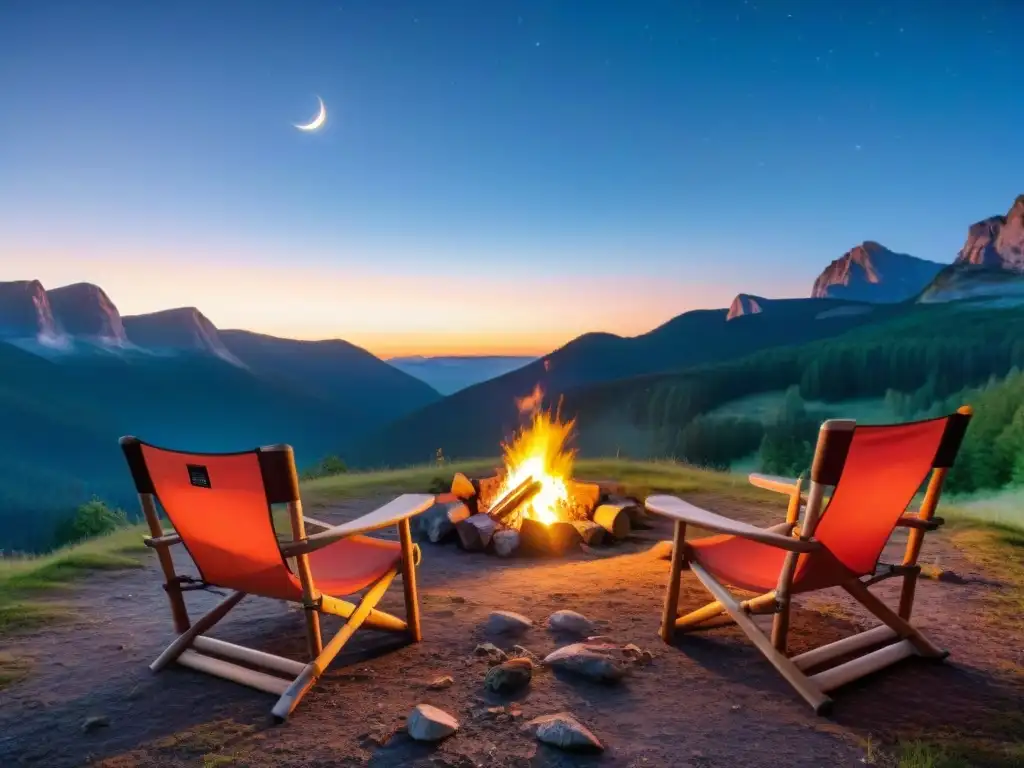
(708, 700)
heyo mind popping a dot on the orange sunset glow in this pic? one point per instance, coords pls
(421, 312)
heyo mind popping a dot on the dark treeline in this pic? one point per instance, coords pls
(923, 363)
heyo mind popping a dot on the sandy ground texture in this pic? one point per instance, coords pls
(708, 700)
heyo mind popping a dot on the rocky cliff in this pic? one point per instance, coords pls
(85, 311)
(997, 241)
(871, 272)
(26, 314)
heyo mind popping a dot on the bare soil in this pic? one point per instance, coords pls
(708, 700)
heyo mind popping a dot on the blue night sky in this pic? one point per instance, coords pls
(493, 176)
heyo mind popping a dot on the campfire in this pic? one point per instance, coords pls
(533, 505)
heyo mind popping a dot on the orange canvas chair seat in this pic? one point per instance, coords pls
(351, 565)
(221, 508)
(755, 567)
(875, 472)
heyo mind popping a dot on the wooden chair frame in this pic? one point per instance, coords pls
(290, 680)
(897, 637)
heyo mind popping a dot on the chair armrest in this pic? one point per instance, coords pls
(677, 509)
(155, 542)
(392, 513)
(783, 485)
(910, 521)
(783, 529)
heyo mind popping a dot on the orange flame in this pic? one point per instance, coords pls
(539, 451)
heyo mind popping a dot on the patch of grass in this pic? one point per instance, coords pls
(209, 740)
(24, 577)
(12, 668)
(108, 552)
(998, 550)
(21, 615)
(956, 752)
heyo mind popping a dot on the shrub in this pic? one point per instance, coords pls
(328, 466)
(93, 518)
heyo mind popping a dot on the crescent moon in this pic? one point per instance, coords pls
(317, 121)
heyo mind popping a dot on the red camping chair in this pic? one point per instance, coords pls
(220, 507)
(876, 471)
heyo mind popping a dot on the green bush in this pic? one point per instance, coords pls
(93, 518)
(328, 466)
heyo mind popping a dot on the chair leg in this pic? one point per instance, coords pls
(800, 682)
(182, 642)
(780, 626)
(313, 636)
(903, 629)
(412, 602)
(671, 608)
(312, 671)
(907, 595)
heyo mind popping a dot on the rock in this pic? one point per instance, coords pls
(520, 652)
(95, 722)
(564, 731)
(440, 683)
(507, 623)
(509, 676)
(570, 622)
(662, 550)
(428, 723)
(744, 304)
(637, 654)
(493, 653)
(596, 662)
(505, 542)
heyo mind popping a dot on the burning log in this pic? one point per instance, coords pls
(512, 500)
(590, 532)
(557, 538)
(585, 496)
(475, 532)
(487, 489)
(614, 518)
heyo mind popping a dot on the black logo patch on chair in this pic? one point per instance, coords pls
(198, 475)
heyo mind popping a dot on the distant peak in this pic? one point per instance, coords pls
(872, 272)
(997, 241)
(745, 304)
(85, 310)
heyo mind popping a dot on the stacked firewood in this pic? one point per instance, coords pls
(479, 520)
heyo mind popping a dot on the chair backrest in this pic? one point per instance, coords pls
(220, 506)
(877, 471)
